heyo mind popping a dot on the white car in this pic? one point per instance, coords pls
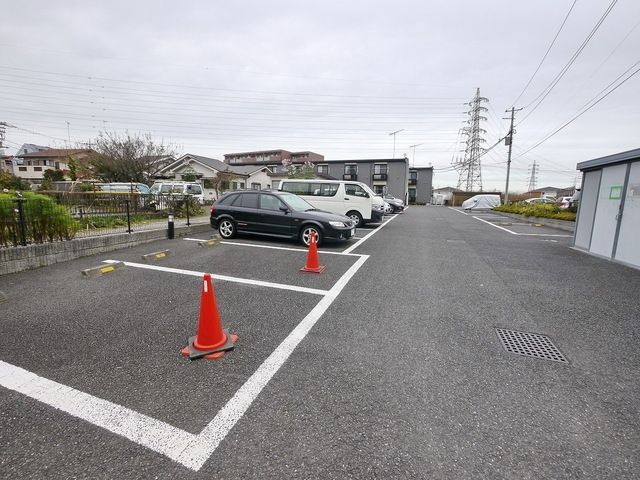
(481, 202)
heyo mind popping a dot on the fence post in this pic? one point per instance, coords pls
(188, 202)
(23, 225)
(128, 216)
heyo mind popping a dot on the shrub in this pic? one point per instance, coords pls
(44, 220)
(542, 210)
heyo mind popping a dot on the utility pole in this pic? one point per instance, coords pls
(68, 132)
(509, 141)
(394, 141)
(414, 152)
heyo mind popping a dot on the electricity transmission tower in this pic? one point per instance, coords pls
(469, 167)
(533, 176)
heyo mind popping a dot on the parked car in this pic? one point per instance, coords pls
(540, 200)
(122, 187)
(481, 202)
(396, 204)
(277, 214)
(388, 209)
(563, 202)
(353, 199)
(575, 199)
(174, 187)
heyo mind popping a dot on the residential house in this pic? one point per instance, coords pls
(444, 195)
(206, 169)
(545, 192)
(32, 165)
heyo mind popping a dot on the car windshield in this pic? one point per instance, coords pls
(296, 203)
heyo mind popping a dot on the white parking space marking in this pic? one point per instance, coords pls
(186, 448)
(203, 447)
(369, 235)
(523, 234)
(456, 210)
(225, 278)
(271, 247)
(190, 450)
(149, 432)
(497, 226)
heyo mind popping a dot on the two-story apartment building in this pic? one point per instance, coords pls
(32, 164)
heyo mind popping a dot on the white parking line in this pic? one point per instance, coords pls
(149, 432)
(200, 449)
(523, 234)
(190, 450)
(369, 235)
(456, 210)
(497, 226)
(271, 247)
(225, 278)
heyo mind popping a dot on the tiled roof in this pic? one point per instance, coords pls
(55, 152)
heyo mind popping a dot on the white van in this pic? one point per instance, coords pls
(174, 187)
(353, 199)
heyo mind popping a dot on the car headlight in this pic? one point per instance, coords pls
(378, 207)
(337, 224)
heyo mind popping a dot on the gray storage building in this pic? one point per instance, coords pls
(608, 222)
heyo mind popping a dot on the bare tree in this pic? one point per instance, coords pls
(128, 158)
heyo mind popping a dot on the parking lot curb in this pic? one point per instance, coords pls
(102, 269)
(155, 256)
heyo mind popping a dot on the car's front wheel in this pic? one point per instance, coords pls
(356, 217)
(307, 232)
(227, 228)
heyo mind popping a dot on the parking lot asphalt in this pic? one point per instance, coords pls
(402, 376)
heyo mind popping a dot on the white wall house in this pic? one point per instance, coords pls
(205, 169)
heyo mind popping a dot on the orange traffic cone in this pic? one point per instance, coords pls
(211, 341)
(313, 261)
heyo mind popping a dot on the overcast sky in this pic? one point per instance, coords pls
(332, 77)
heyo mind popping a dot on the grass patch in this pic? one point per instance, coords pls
(538, 210)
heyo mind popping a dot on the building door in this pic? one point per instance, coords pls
(627, 248)
(608, 209)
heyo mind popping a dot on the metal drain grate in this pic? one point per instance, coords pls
(530, 345)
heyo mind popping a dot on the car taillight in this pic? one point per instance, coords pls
(213, 209)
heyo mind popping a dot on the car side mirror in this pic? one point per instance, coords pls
(284, 209)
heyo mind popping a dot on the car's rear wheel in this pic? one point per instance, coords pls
(356, 217)
(306, 233)
(227, 228)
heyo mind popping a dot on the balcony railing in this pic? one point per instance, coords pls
(379, 176)
(413, 181)
(350, 176)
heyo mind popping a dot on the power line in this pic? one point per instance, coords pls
(546, 53)
(196, 87)
(547, 90)
(585, 110)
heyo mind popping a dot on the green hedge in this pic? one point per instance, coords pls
(44, 219)
(542, 210)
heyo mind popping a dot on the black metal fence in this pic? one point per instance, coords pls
(58, 216)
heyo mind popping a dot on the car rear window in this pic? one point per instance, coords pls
(228, 200)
